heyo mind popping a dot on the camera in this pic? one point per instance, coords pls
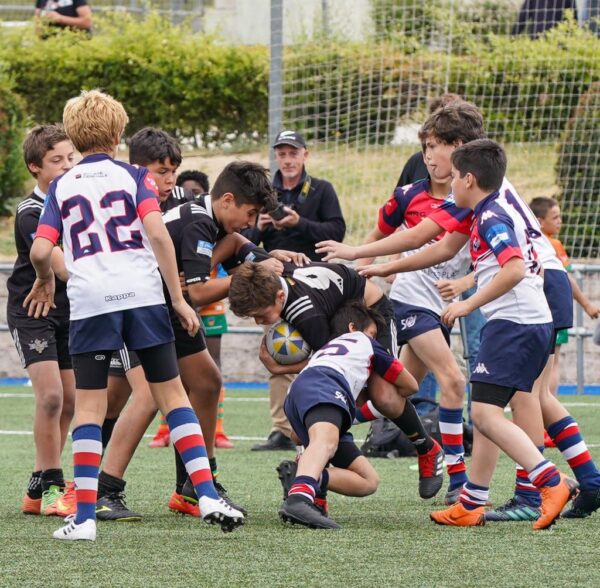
(278, 213)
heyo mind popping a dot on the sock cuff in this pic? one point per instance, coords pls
(88, 431)
(472, 486)
(555, 428)
(451, 415)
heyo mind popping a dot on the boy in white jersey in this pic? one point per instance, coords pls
(108, 215)
(321, 404)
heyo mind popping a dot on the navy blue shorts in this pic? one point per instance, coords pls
(559, 295)
(313, 387)
(511, 354)
(137, 328)
(416, 320)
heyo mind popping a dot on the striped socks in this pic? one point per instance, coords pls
(189, 442)
(473, 496)
(367, 412)
(87, 454)
(451, 428)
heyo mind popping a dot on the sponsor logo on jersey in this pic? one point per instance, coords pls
(476, 244)
(99, 357)
(481, 369)
(150, 183)
(38, 345)
(98, 174)
(408, 322)
(115, 297)
(341, 396)
(204, 248)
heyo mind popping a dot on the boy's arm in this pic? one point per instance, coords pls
(58, 264)
(40, 299)
(164, 251)
(510, 274)
(277, 368)
(589, 307)
(397, 242)
(440, 251)
(450, 289)
(392, 370)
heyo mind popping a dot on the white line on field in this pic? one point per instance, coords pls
(236, 399)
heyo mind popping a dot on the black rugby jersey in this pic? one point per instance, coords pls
(194, 233)
(177, 197)
(23, 275)
(313, 295)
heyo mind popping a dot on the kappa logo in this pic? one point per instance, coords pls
(38, 345)
(341, 396)
(481, 369)
(409, 322)
(487, 214)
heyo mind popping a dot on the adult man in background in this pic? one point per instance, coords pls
(309, 211)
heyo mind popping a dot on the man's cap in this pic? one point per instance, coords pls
(290, 138)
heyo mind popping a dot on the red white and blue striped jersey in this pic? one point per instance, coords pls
(97, 207)
(355, 356)
(498, 234)
(452, 218)
(407, 207)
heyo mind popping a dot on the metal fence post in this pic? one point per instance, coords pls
(579, 337)
(275, 77)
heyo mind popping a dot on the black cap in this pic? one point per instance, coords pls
(290, 138)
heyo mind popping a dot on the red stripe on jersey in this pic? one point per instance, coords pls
(388, 208)
(508, 253)
(48, 232)
(86, 495)
(450, 223)
(188, 442)
(392, 373)
(148, 205)
(86, 459)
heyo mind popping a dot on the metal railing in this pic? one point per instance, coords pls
(578, 331)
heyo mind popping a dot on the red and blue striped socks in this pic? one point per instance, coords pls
(304, 487)
(186, 435)
(473, 496)
(87, 454)
(567, 437)
(451, 428)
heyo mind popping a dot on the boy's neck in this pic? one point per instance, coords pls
(43, 186)
(440, 190)
(111, 154)
(476, 197)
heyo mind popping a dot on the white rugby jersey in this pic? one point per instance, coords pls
(452, 218)
(354, 356)
(406, 208)
(97, 207)
(499, 233)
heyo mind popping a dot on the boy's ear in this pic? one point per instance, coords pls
(351, 327)
(34, 168)
(227, 198)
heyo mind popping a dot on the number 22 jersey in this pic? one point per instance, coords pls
(98, 207)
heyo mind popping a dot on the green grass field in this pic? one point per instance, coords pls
(386, 540)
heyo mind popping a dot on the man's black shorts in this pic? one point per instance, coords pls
(184, 344)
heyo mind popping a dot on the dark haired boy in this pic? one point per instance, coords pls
(308, 297)
(42, 344)
(194, 180)
(321, 404)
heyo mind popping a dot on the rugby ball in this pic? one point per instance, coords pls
(285, 344)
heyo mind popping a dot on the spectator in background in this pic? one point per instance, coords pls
(538, 16)
(309, 212)
(75, 14)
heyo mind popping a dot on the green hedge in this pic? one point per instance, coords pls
(164, 75)
(12, 130)
(578, 175)
(526, 89)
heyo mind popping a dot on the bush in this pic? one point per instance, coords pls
(164, 75)
(12, 130)
(578, 175)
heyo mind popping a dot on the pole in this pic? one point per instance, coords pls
(579, 334)
(275, 78)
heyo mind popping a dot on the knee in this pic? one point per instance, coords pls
(371, 483)
(479, 417)
(453, 384)
(50, 402)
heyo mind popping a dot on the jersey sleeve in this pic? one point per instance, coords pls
(452, 218)
(50, 225)
(499, 233)
(384, 364)
(26, 224)
(314, 330)
(391, 214)
(197, 244)
(147, 194)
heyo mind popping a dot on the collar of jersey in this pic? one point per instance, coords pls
(285, 289)
(208, 205)
(38, 192)
(483, 203)
(94, 157)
